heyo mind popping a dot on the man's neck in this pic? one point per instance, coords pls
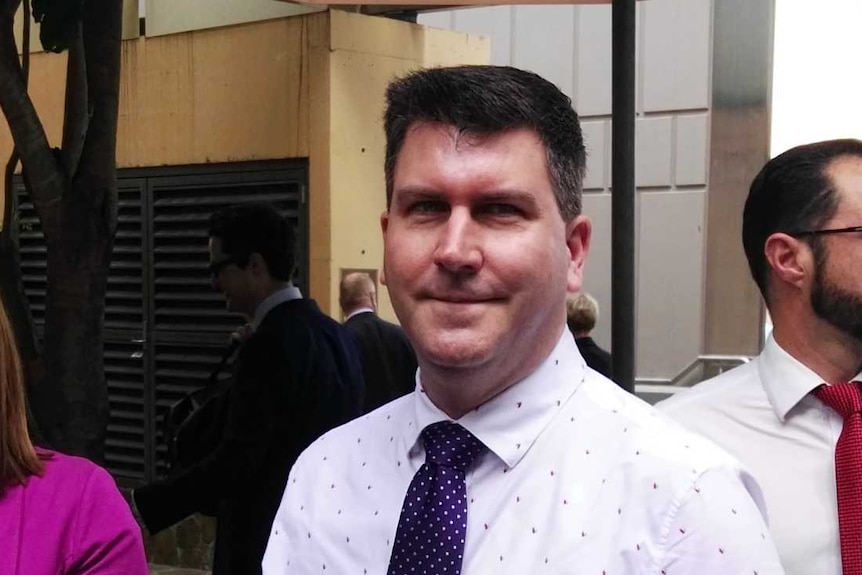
(828, 352)
(270, 289)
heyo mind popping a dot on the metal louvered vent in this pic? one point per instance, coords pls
(34, 258)
(165, 327)
(125, 450)
(125, 302)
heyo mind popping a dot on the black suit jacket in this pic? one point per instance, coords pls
(596, 357)
(388, 361)
(296, 377)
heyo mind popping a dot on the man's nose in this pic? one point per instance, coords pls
(458, 245)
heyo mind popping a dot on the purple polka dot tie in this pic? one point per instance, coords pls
(433, 523)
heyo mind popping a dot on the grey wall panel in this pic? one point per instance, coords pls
(692, 142)
(676, 61)
(543, 41)
(494, 22)
(670, 264)
(597, 279)
(653, 151)
(597, 142)
(593, 61)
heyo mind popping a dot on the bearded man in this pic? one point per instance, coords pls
(792, 415)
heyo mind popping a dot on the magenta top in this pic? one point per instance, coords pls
(70, 521)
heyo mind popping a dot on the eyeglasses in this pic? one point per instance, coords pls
(215, 268)
(850, 230)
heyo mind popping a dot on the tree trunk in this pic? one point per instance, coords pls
(74, 391)
(75, 194)
(80, 242)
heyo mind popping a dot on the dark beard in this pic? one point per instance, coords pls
(838, 307)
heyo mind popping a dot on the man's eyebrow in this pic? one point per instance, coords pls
(501, 195)
(411, 193)
(509, 195)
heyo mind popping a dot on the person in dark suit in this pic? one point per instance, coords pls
(296, 376)
(582, 312)
(388, 360)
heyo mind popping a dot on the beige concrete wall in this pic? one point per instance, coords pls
(172, 16)
(304, 87)
(367, 53)
(231, 94)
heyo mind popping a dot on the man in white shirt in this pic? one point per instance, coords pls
(803, 240)
(534, 463)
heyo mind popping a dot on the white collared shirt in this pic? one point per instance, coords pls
(580, 478)
(359, 311)
(284, 294)
(763, 413)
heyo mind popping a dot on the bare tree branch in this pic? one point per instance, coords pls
(77, 114)
(27, 132)
(102, 22)
(9, 8)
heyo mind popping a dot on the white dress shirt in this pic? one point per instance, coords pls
(359, 311)
(580, 478)
(287, 293)
(763, 414)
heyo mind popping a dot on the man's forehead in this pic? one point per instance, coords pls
(464, 136)
(845, 173)
(847, 167)
(214, 245)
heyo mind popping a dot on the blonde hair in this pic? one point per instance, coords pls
(356, 288)
(582, 312)
(18, 457)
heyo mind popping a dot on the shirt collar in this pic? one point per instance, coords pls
(510, 422)
(359, 311)
(284, 294)
(786, 380)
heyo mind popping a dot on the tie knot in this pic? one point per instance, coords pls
(450, 445)
(845, 398)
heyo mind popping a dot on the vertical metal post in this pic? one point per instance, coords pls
(623, 281)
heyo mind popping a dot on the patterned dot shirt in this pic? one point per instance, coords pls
(579, 477)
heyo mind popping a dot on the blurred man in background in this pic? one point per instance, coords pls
(388, 361)
(582, 313)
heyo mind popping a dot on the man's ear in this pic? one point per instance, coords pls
(578, 234)
(256, 264)
(791, 260)
(384, 225)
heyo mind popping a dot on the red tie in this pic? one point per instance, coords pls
(846, 399)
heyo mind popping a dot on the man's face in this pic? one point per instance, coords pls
(836, 295)
(477, 257)
(230, 280)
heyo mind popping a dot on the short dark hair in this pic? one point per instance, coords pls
(250, 228)
(485, 100)
(792, 193)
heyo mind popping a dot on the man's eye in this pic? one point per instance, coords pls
(427, 207)
(502, 210)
